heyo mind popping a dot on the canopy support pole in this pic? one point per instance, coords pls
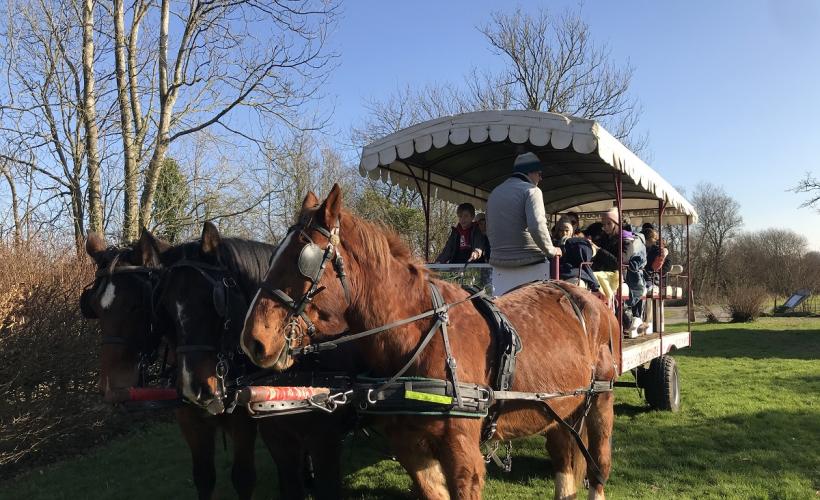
(661, 321)
(620, 299)
(426, 202)
(690, 313)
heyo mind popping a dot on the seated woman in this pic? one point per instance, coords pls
(578, 251)
(466, 241)
(656, 253)
(561, 232)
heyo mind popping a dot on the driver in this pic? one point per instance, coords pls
(517, 227)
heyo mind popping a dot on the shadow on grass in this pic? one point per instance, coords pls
(631, 410)
(374, 493)
(746, 446)
(524, 468)
(755, 344)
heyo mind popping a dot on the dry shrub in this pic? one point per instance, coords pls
(49, 357)
(745, 303)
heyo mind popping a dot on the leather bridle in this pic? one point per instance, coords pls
(223, 286)
(311, 265)
(149, 278)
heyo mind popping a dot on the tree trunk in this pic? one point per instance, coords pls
(95, 213)
(130, 223)
(15, 208)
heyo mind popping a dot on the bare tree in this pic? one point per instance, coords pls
(552, 64)
(772, 258)
(811, 186)
(218, 65)
(48, 88)
(719, 222)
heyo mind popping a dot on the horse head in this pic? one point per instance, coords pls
(305, 293)
(206, 307)
(121, 298)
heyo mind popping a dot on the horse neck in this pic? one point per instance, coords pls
(384, 292)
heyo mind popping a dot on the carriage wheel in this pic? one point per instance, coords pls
(660, 383)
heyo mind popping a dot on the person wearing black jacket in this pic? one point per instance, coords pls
(466, 241)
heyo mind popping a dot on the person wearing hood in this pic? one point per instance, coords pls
(517, 227)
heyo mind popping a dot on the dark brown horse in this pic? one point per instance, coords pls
(206, 289)
(386, 284)
(123, 301)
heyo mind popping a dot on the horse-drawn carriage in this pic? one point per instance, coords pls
(441, 368)
(587, 171)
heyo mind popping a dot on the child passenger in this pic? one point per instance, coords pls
(466, 241)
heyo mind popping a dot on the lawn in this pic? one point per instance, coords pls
(749, 427)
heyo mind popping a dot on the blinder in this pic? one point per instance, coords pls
(311, 265)
(311, 260)
(86, 298)
(219, 298)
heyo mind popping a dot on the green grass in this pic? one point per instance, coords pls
(749, 427)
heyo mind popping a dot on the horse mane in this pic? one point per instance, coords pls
(247, 260)
(381, 247)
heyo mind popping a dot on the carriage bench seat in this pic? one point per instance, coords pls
(654, 292)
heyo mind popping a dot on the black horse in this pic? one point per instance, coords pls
(123, 299)
(206, 290)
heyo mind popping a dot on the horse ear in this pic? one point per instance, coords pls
(310, 201)
(94, 244)
(150, 248)
(332, 207)
(209, 243)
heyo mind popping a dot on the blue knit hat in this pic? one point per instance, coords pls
(526, 163)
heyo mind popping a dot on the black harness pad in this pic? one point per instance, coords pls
(506, 339)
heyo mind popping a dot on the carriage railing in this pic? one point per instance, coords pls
(479, 275)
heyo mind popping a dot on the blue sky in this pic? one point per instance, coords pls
(730, 90)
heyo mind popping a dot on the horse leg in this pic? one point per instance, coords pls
(286, 449)
(326, 451)
(199, 432)
(416, 456)
(243, 435)
(599, 422)
(564, 455)
(462, 460)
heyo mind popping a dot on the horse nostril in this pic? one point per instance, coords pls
(258, 349)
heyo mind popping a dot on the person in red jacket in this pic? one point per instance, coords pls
(466, 241)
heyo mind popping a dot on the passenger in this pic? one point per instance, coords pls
(466, 241)
(517, 227)
(561, 232)
(605, 263)
(573, 219)
(574, 264)
(604, 260)
(656, 255)
(481, 223)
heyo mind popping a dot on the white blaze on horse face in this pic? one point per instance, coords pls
(273, 260)
(108, 295)
(187, 375)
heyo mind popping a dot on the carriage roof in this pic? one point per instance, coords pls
(463, 157)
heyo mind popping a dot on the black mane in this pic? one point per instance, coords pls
(247, 260)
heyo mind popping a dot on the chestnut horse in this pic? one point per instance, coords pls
(206, 289)
(123, 299)
(384, 283)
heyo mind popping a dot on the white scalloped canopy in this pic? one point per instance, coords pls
(463, 157)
